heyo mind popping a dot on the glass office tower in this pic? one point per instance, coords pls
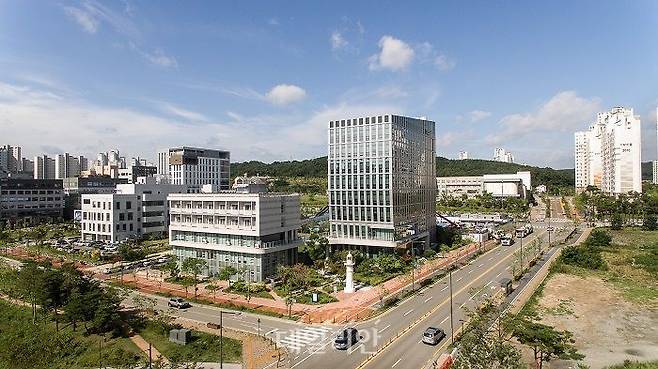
(381, 182)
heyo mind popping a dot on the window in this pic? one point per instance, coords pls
(118, 206)
(129, 204)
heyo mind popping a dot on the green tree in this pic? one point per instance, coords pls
(650, 222)
(194, 266)
(546, 342)
(483, 348)
(226, 273)
(616, 222)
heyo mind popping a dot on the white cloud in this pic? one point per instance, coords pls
(84, 19)
(477, 115)
(444, 63)
(25, 111)
(157, 57)
(92, 14)
(273, 21)
(394, 55)
(544, 136)
(187, 115)
(566, 111)
(337, 41)
(285, 94)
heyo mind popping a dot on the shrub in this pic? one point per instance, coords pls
(583, 256)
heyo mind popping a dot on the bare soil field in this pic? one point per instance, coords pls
(613, 314)
(607, 328)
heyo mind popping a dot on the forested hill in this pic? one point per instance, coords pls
(315, 168)
(475, 167)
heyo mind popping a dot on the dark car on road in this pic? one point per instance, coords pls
(348, 337)
(433, 335)
(178, 303)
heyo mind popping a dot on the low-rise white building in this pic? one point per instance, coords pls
(134, 210)
(518, 185)
(252, 232)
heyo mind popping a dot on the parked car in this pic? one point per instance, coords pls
(348, 337)
(433, 335)
(178, 303)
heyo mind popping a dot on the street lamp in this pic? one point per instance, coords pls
(221, 335)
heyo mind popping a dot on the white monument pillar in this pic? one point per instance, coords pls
(349, 274)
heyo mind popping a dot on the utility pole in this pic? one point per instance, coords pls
(413, 268)
(150, 357)
(221, 335)
(452, 329)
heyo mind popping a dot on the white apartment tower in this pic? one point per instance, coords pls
(463, 155)
(381, 182)
(608, 155)
(503, 155)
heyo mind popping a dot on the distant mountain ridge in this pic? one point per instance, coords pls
(317, 168)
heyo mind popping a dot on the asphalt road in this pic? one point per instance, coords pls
(469, 285)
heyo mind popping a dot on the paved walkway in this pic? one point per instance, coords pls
(350, 307)
(144, 346)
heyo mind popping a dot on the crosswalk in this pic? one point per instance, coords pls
(297, 339)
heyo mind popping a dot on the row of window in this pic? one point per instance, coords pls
(361, 232)
(30, 192)
(25, 199)
(360, 214)
(361, 198)
(198, 219)
(360, 166)
(359, 182)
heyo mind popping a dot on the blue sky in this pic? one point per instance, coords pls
(262, 79)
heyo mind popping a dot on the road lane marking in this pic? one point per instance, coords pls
(408, 312)
(427, 299)
(444, 288)
(491, 258)
(470, 271)
(460, 278)
(444, 320)
(396, 363)
(488, 283)
(481, 265)
(369, 361)
(385, 328)
(507, 268)
(355, 348)
(462, 305)
(498, 275)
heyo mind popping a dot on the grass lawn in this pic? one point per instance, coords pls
(262, 294)
(633, 264)
(27, 345)
(323, 298)
(636, 365)
(203, 348)
(154, 246)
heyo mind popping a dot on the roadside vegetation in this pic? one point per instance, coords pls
(481, 203)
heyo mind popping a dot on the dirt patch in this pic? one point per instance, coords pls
(607, 328)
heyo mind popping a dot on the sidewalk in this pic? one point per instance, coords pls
(144, 346)
(350, 307)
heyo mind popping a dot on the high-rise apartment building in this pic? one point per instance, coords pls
(67, 166)
(195, 167)
(608, 155)
(381, 182)
(11, 159)
(503, 155)
(463, 155)
(44, 167)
